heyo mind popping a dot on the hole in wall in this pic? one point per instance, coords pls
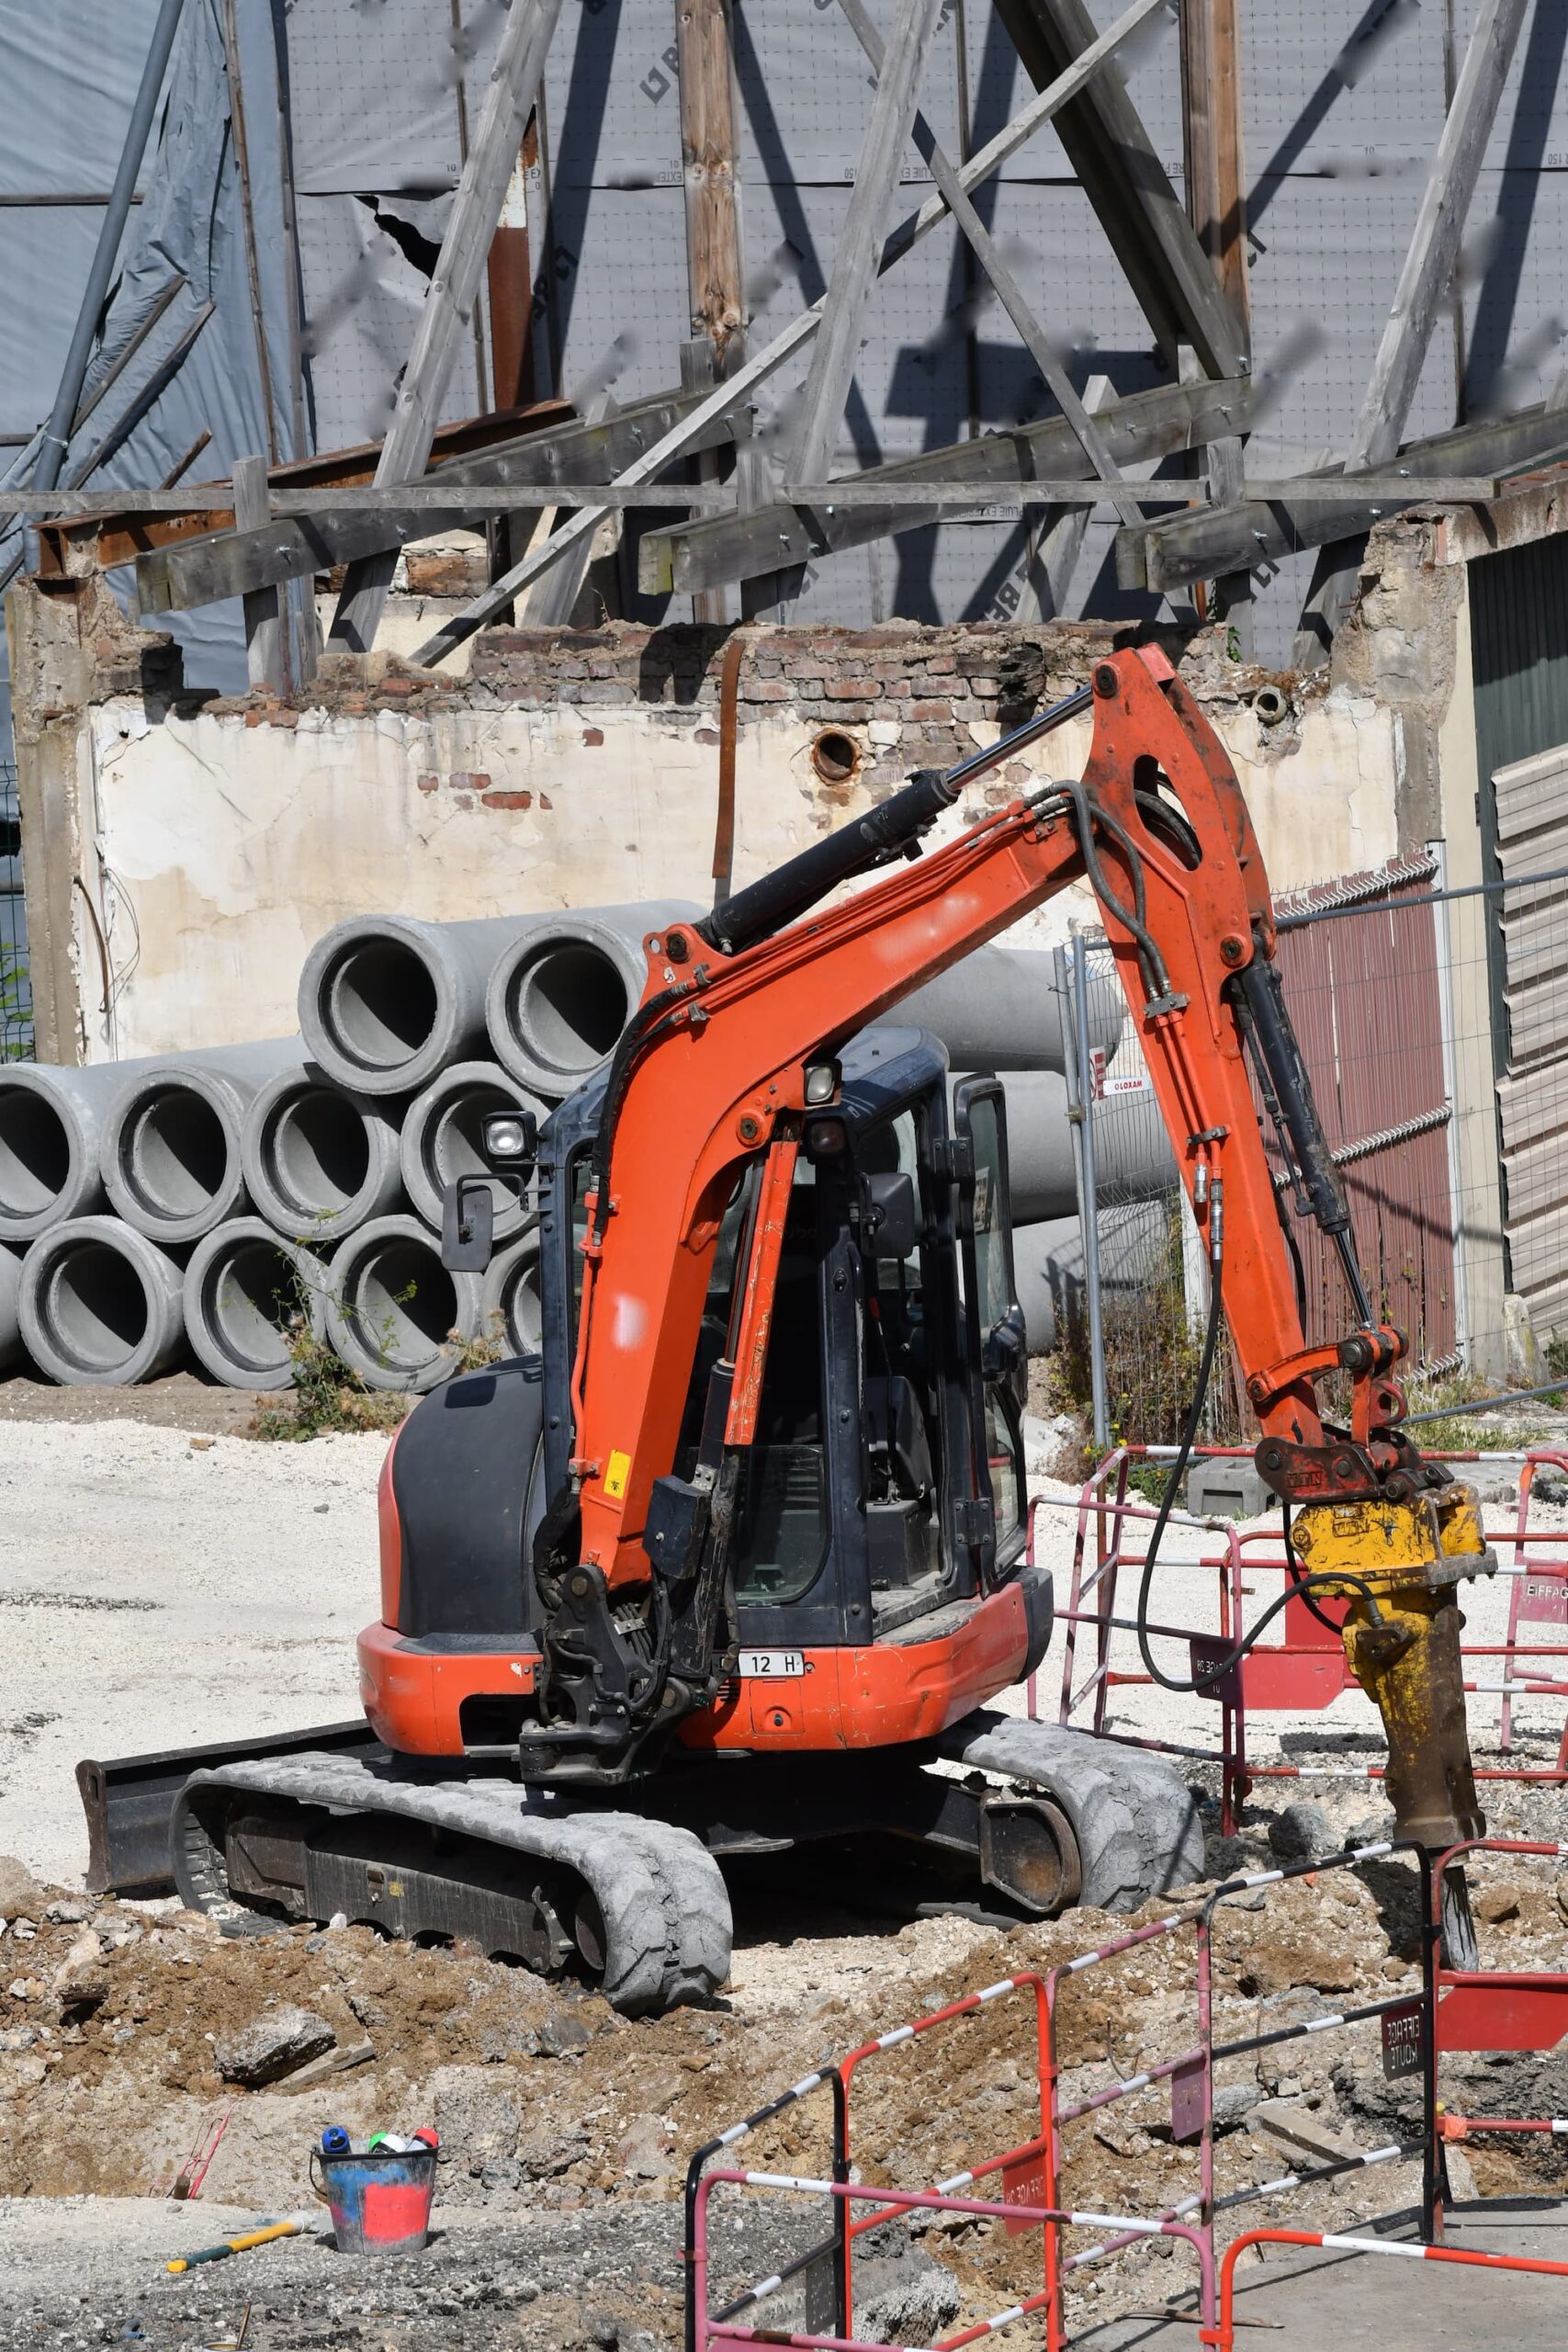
(836, 757)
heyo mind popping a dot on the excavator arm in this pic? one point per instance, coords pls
(730, 1057)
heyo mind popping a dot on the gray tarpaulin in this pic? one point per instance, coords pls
(188, 226)
(1343, 106)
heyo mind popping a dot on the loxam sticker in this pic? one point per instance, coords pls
(618, 1472)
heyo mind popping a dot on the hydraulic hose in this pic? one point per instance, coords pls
(1298, 1585)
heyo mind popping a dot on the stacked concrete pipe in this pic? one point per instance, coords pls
(244, 1288)
(12, 1351)
(442, 1139)
(172, 1142)
(397, 1016)
(998, 1010)
(395, 1315)
(318, 1161)
(1048, 1264)
(386, 1001)
(1134, 1160)
(52, 1124)
(559, 999)
(100, 1303)
(508, 1300)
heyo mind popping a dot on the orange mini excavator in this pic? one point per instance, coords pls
(737, 1560)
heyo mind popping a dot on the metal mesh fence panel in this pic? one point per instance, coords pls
(15, 991)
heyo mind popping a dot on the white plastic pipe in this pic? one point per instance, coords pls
(318, 1161)
(99, 1302)
(442, 1139)
(394, 1309)
(243, 1288)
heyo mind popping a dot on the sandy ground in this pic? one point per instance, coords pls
(157, 1592)
(159, 1588)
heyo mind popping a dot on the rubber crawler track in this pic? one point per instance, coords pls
(666, 1912)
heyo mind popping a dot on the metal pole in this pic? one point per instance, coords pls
(57, 432)
(1080, 1096)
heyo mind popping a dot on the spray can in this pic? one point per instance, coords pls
(335, 2141)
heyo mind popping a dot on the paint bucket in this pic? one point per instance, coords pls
(379, 2204)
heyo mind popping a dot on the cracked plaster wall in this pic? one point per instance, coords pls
(216, 843)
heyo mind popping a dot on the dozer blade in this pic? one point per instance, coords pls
(130, 1800)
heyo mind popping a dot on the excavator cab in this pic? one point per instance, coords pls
(884, 1492)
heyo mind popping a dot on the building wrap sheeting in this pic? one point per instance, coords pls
(371, 103)
(188, 226)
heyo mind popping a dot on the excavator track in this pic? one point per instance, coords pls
(1134, 1819)
(642, 1902)
(637, 1902)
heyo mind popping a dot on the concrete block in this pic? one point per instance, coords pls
(1226, 1487)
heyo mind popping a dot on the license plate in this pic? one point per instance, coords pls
(773, 1666)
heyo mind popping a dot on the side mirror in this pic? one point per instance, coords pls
(468, 1224)
(890, 1221)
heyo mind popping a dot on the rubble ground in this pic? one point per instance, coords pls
(129, 2030)
(566, 2128)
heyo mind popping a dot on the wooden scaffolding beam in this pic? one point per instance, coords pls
(759, 366)
(1213, 541)
(448, 306)
(1424, 283)
(1131, 192)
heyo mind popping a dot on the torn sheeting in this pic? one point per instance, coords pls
(189, 226)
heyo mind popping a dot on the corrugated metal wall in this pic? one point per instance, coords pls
(1365, 994)
(1518, 605)
(1532, 800)
(1518, 625)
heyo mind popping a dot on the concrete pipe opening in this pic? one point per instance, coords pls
(97, 1308)
(254, 1303)
(99, 1302)
(393, 1308)
(569, 1004)
(246, 1292)
(378, 1004)
(174, 1153)
(511, 1296)
(404, 1302)
(35, 1154)
(316, 1154)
